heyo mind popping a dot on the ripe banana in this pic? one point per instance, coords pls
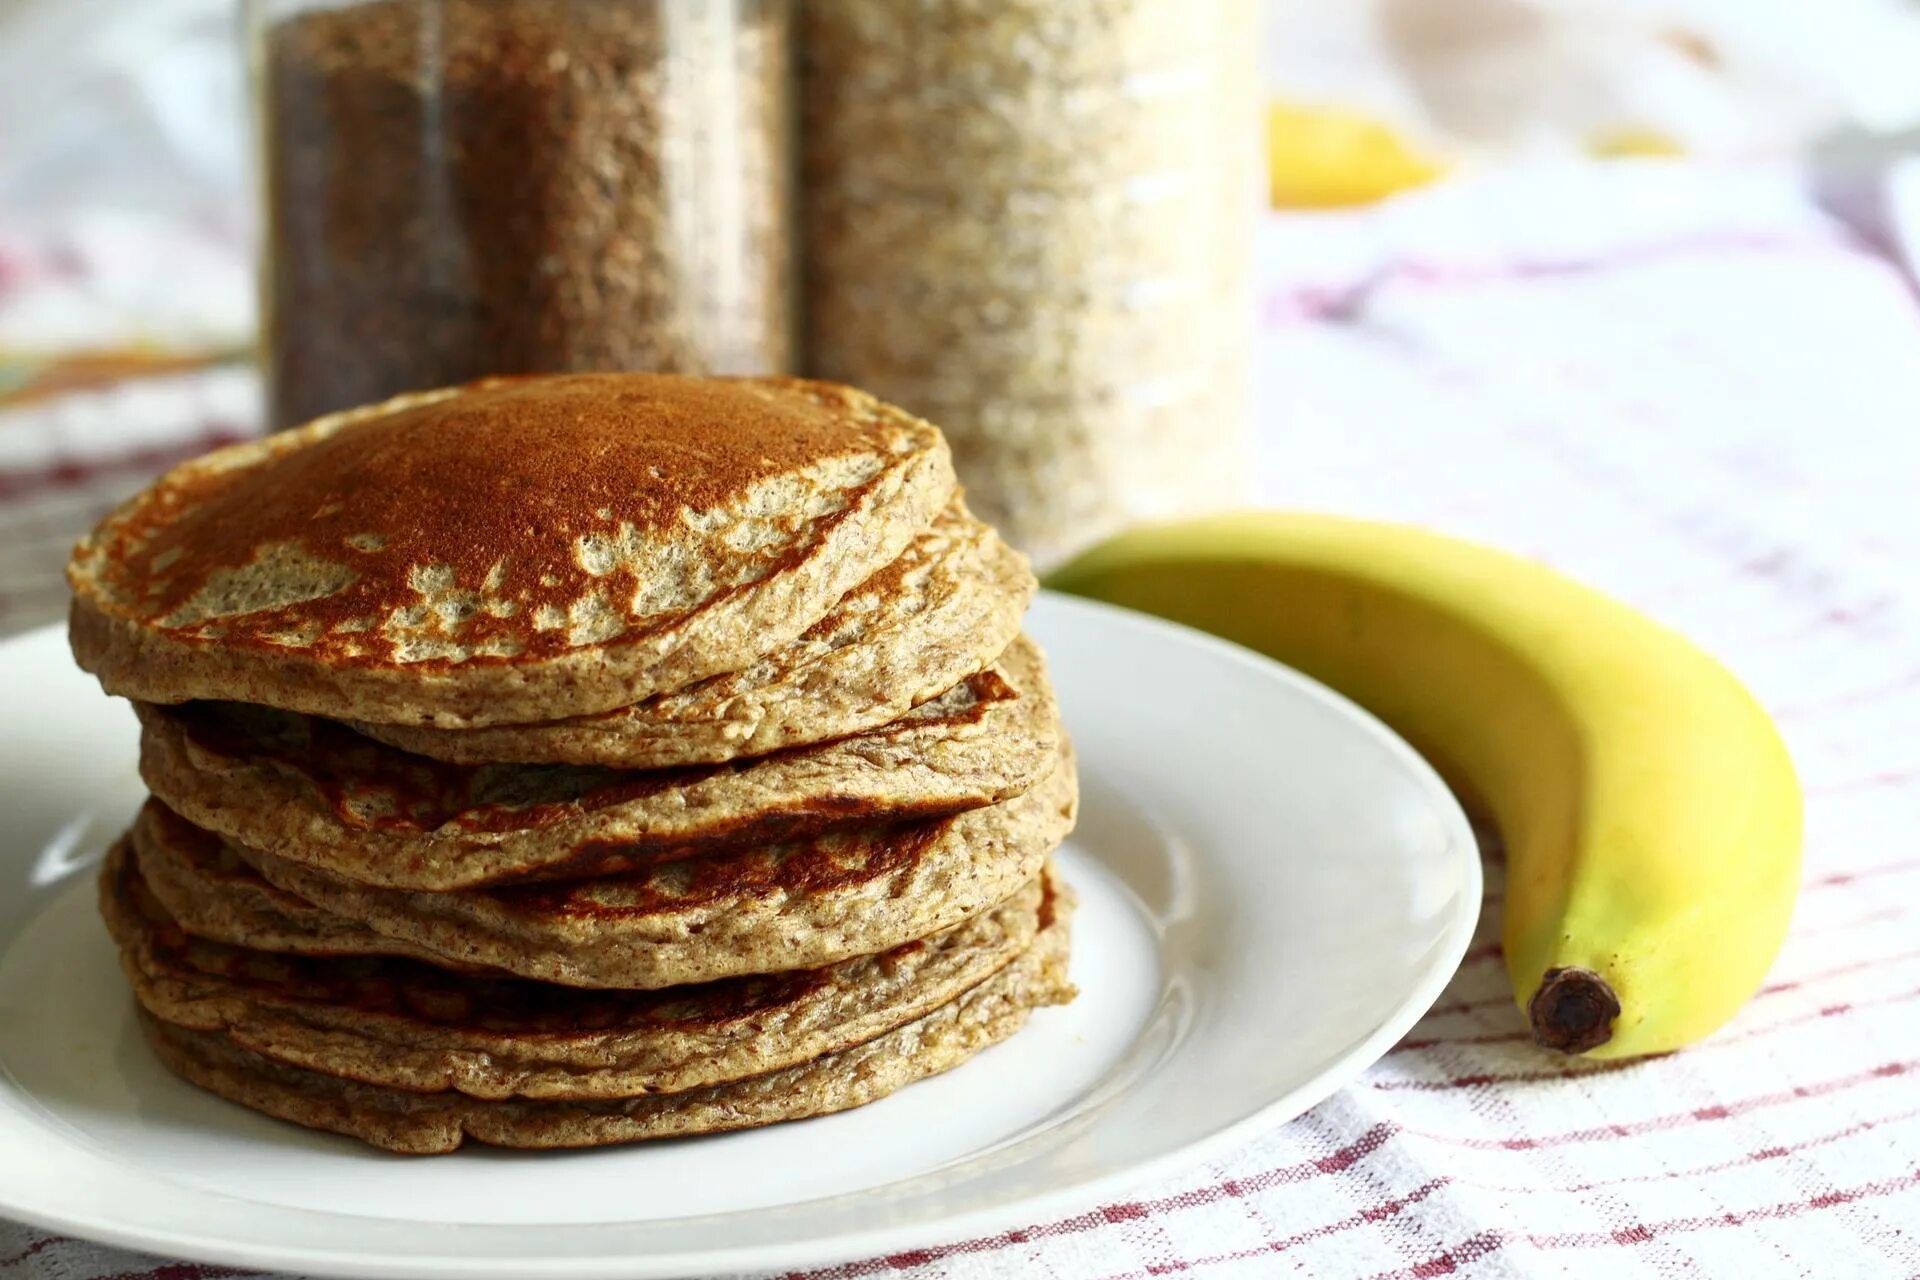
(1649, 809)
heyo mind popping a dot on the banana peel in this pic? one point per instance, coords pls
(1650, 811)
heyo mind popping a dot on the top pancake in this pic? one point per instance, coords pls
(944, 610)
(514, 550)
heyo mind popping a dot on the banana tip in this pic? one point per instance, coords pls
(1573, 1011)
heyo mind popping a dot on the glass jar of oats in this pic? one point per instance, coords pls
(1032, 222)
(454, 188)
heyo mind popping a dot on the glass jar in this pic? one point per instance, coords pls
(455, 188)
(1032, 222)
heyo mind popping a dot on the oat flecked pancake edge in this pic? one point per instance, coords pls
(512, 550)
(416, 1027)
(415, 1123)
(761, 909)
(311, 791)
(213, 893)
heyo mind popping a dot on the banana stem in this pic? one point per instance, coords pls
(1573, 1011)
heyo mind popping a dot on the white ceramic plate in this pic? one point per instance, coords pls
(1274, 889)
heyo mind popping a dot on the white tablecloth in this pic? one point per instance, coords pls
(1684, 386)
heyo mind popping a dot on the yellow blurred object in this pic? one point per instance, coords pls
(1331, 157)
(1633, 141)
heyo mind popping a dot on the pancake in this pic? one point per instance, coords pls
(426, 1123)
(946, 608)
(214, 893)
(411, 1026)
(796, 905)
(514, 550)
(314, 792)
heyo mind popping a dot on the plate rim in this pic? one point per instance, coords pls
(1455, 937)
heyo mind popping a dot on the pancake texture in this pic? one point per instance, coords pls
(766, 909)
(313, 792)
(945, 609)
(514, 550)
(577, 760)
(214, 893)
(415, 1027)
(427, 1123)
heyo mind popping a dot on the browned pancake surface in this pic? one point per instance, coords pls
(620, 533)
(760, 909)
(315, 792)
(946, 608)
(420, 1027)
(424, 1123)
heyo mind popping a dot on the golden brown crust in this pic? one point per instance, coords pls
(417, 1123)
(214, 893)
(946, 608)
(796, 905)
(420, 1028)
(314, 792)
(513, 550)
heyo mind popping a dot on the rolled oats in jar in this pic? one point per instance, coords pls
(1032, 223)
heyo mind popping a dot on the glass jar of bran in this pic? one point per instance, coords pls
(456, 188)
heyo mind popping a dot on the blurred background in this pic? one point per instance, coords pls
(1476, 211)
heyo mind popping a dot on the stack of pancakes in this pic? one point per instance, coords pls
(567, 761)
